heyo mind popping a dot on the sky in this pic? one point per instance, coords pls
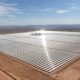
(39, 12)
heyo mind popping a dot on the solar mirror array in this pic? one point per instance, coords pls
(44, 50)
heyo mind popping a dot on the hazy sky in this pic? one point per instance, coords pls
(28, 12)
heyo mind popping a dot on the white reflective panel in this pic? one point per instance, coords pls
(45, 52)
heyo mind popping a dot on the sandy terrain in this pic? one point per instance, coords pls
(11, 69)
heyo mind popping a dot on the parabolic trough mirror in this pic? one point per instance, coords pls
(44, 50)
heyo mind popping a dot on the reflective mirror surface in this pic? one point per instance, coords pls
(45, 50)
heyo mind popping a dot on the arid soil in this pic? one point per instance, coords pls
(12, 69)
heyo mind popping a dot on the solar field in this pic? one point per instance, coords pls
(45, 50)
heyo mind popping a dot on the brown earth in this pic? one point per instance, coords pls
(12, 69)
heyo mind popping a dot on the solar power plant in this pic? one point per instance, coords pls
(44, 50)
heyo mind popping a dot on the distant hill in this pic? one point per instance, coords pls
(15, 29)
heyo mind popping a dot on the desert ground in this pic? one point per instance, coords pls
(12, 69)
